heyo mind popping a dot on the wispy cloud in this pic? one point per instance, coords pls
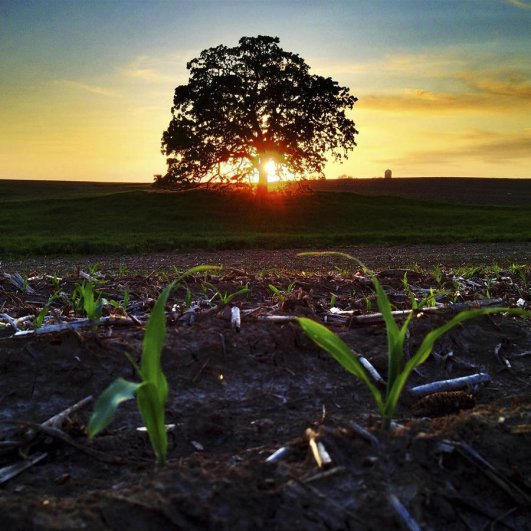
(156, 69)
(472, 89)
(522, 4)
(511, 83)
(419, 100)
(434, 64)
(80, 85)
(482, 146)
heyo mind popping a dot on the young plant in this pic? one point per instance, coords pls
(188, 298)
(282, 295)
(85, 298)
(438, 273)
(39, 320)
(56, 286)
(122, 306)
(226, 298)
(152, 391)
(93, 270)
(398, 371)
(429, 300)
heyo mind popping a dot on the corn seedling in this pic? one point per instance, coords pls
(85, 299)
(56, 285)
(429, 300)
(121, 305)
(520, 271)
(438, 274)
(188, 298)
(39, 320)
(281, 295)
(94, 269)
(152, 391)
(398, 370)
(226, 298)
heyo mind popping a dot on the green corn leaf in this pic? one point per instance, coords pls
(228, 298)
(275, 290)
(152, 346)
(340, 351)
(395, 337)
(119, 391)
(427, 345)
(152, 411)
(397, 376)
(39, 320)
(197, 269)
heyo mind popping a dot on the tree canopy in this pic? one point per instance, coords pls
(250, 104)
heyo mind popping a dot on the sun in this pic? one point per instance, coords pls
(271, 169)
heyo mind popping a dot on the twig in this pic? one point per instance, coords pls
(325, 474)
(373, 318)
(277, 318)
(403, 513)
(10, 471)
(235, 319)
(223, 346)
(10, 321)
(64, 437)
(363, 433)
(319, 452)
(73, 325)
(278, 455)
(450, 385)
(521, 355)
(57, 420)
(88, 277)
(318, 494)
(203, 367)
(515, 492)
(17, 281)
(499, 519)
(369, 367)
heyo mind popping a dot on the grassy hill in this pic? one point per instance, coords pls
(137, 219)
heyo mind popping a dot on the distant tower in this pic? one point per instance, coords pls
(388, 174)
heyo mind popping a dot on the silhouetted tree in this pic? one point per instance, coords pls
(250, 104)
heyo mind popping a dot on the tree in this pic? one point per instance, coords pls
(248, 105)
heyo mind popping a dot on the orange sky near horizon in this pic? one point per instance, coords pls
(444, 89)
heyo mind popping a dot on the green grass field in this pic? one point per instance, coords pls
(75, 218)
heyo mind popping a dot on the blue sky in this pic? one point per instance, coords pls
(444, 86)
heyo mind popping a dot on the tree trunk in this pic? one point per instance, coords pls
(261, 189)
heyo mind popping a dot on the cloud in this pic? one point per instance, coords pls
(435, 64)
(93, 89)
(522, 4)
(155, 70)
(475, 90)
(420, 100)
(511, 83)
(485, 146)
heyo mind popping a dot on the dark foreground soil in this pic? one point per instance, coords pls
(452, 461)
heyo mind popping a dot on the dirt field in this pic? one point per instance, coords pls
(447, 189)
(452, 461)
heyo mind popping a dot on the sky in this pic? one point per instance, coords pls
(443, 86)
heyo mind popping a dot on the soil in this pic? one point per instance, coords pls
(454, 460)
